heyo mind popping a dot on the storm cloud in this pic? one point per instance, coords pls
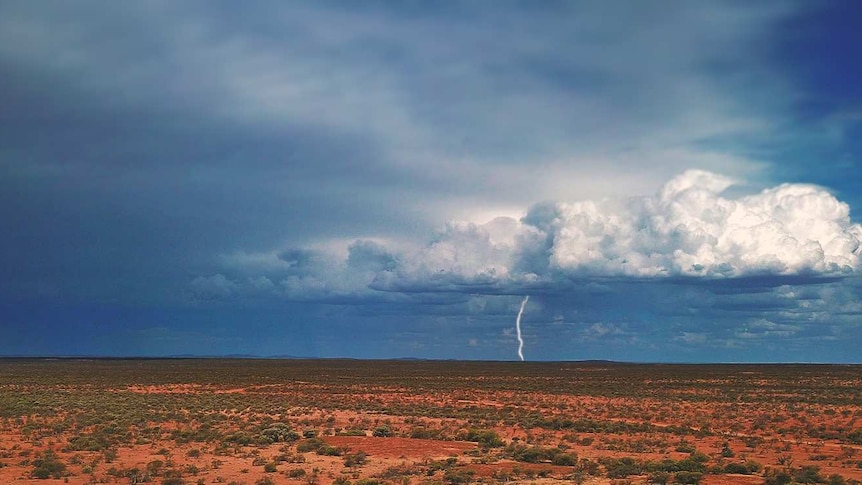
(687, 232)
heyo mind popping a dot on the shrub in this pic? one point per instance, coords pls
(382, 431)
(736, 468)
(685, 447)
(485, 437)
(296, 473)
(699, 457)
(279, 432)
(327, 450)
(836, 479)
(355, 459)
(687, 478)
(753, 466)
(776, 477)
(270, 468)
(88, 443)
(564, 459)
(154, 467)
(239, 438)
(808, 474)
(532, 454)
(621, 467)
(457, 477)
(588, 466)
(536, 454)
(48, 467)
(658, 478)
(311, 444)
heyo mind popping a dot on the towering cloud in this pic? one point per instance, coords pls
(688, 230)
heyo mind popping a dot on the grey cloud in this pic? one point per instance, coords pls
(688, 234)
(370, 256)
(213, 287)
(245, 129)
(402, 80)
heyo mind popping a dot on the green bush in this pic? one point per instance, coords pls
(154, 468)
(311, 444)
(457, 477)
(621, 467)
(687, 478)
(88, 443)
(239, 438)
(836, 479)
(485, 437)
(564, 459)
(658, 478)
(776, 477)
(48, 467)
(692, 464)
(296, 473)
(355, 459)
(685, 447)
(327, 450)
(279, 432)
(808, 474)
(736, 468)
(537, 454)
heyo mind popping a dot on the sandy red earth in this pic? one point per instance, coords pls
(214, 421)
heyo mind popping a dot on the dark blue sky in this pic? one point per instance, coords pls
(668, 181)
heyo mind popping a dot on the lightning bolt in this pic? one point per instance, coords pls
(518, 328)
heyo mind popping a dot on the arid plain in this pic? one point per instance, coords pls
(319, 422)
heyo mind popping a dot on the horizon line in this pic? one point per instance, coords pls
(406, 359)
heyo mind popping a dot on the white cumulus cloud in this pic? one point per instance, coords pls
(688, 230)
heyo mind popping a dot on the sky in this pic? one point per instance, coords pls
(668, 181)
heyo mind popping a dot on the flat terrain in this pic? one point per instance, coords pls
(202, 421)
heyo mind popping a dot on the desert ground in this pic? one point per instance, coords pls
(322, 422)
